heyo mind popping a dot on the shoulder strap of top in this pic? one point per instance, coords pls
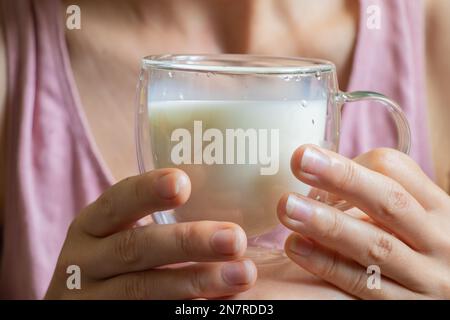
(52, 167)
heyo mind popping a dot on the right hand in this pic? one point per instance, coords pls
(120, 261)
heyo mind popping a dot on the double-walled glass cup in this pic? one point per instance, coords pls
(232, 123)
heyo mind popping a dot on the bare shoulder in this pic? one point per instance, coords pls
(437, 29)
(2, 119)
(437, 33)
(438, 77)
(437, 7)
(2, 74)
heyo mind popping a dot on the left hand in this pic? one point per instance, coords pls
(405, 230)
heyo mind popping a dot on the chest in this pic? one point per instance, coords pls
(106, 72)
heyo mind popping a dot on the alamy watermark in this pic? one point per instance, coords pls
(234, 146)
(373, 17)
(74, 279)
(73, 17)
(373, 21)
(374, 278)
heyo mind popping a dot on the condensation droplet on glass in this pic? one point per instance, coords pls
(181, 96)
(287, 78)
(170, 74)
(209, 74)
(304, 103)
(298, 78)
(313, 122)
(318, 75)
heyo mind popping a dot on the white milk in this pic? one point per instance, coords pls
(230, 191)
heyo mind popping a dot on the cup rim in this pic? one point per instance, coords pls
(236, 64)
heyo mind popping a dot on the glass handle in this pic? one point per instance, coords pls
(404, 137)
(403, 131)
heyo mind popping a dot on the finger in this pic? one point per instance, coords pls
(404, 170)
(382, 198)
(200, 280)
(343, 273)
(337, 202)
(142, 248)
(353, 238)
(133, 198)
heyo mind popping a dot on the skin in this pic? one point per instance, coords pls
(407, 222)
(438, 75)
(120, 262)
(2, 122)
(211, 31)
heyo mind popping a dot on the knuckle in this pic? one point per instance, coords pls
(349, 177)
(381, 249)
(105, 208)
(397, 202)
(330, 229)
(358, 284)
(140, 189)
(197, 285)
(330, 269)
(183, 239)
(126, 247)
(136, 288)
(383, 160)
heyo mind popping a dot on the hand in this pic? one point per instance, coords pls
(120, 261)
(406, 231)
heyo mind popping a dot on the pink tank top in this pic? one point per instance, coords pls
(54, 168)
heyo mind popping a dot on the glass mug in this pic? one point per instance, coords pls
(232, 123)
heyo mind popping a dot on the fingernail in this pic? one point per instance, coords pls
(314, 161)
(170, 185)
(238, 273)
(228, 241)
(298, 209)
(301, 247)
